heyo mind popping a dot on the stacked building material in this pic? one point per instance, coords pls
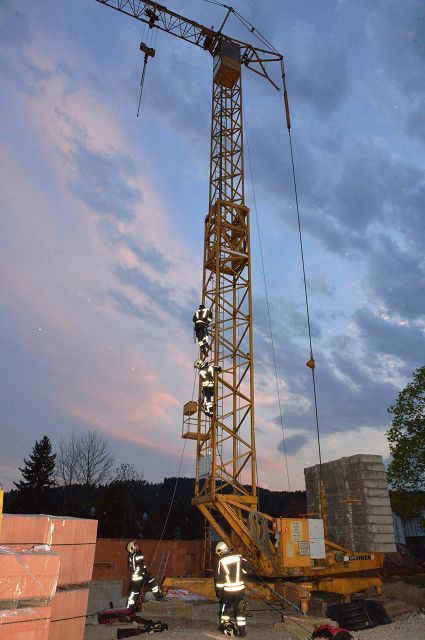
(28, 579)
(72, 542)
(358, 504)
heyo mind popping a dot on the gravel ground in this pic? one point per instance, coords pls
(262, 624)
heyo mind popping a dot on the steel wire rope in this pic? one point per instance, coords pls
(246, 23)
(218, 4)
(253, 30)
(267, 304)
(310, 363)
(151, 38)
(171, 503)
(175, 486)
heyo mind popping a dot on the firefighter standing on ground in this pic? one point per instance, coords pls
(230, 590)
(139, 577)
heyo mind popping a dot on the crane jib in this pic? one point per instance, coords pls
(160, 17)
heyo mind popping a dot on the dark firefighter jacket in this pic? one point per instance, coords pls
(231, 570)
(202, 316)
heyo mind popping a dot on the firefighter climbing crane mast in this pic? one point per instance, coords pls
(224, 433)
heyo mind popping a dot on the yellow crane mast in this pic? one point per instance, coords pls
(226, 441)
(225, 437)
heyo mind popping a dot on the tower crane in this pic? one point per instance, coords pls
(226, 475)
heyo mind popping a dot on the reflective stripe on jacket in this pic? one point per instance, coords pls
(137, 567)
(230, 573)
(202, 315)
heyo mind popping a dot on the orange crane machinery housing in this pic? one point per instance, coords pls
(299, 558)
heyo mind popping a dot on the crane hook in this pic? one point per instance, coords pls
(149, 53)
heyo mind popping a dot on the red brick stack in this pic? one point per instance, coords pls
(34, 612)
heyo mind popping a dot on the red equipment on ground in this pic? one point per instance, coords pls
(327, 632)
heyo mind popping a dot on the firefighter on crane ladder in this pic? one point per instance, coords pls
(230, 590)
(207, 372)
(202, 320)
(140, 577)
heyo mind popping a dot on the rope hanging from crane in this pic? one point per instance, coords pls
(268, 307)
(310, 362)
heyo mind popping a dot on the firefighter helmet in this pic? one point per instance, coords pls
(221, 548)
(131, 547)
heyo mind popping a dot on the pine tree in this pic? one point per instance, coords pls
(38, 470)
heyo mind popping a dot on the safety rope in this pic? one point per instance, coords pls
(311, 361)
(268, 304)
(276, 593)
(171, 503)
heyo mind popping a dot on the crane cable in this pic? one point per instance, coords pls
(311, 362)
(268, 306)
(142, 82)
(246, 23)
(175, 486)
(151, 39)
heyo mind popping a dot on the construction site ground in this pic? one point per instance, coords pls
(200, 621)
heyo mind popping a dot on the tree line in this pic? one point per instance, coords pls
(77, 480)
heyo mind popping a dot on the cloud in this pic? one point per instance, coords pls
(393, 278)
(292, 444)
(381, 335)
(102, 183)
(397, 33)
(318, 75)
(128, 306)
(148, 254)
(157, 293)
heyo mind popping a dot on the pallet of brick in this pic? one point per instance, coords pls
(67, 530)
(31, 623)
(74, 539)
(20, 530)
(68, 616)
(44, 529)
(76, 563)
(27, 577)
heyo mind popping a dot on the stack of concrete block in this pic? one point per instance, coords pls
(358, 504)
(72, 541)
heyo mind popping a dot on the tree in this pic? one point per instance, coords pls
(407, 436)
(38, 470)
(67, 462)
(127, 473)
(95, 460)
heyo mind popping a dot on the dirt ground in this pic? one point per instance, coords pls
(262, 624)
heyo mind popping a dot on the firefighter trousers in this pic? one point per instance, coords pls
(232, 608)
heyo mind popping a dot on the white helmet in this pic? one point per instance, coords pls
(198, 364)
(131, 547)
(221, 548)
